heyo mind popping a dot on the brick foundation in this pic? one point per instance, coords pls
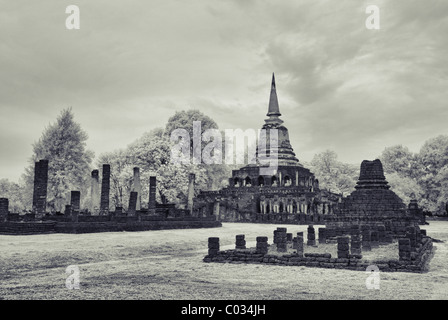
(409, 261)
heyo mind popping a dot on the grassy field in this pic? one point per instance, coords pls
(167, 264)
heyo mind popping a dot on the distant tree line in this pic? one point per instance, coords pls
(422, 176)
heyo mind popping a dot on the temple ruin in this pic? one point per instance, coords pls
(370, 217)
(290, 195)
(100, 218)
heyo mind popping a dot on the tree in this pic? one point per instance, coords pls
(63, 144)
(422, 176)
(398, 159)
(216, 173)
(184, 120)
(152, 154)
(332, 174)
(433, 157)
(14, 192)
(405, 187)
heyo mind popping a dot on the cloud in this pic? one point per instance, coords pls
(131, 65)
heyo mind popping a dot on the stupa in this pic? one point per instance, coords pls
(289, 193)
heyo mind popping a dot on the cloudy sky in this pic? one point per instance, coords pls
(132, 64)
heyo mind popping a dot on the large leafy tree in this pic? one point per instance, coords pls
(433, 158)
(63, 144)
(332, 174)
(399, 159)
(216, 173)
(152, 154)
(14, 192)
(403, 172)
(422, 176)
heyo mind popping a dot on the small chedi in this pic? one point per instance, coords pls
(373, 206)
(372, 226)
(100, 217)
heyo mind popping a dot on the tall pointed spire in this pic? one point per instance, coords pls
(282, 150)
(274, 109)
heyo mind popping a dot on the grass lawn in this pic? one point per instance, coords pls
(167, 264)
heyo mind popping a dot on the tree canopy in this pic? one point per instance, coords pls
(332, 174)
(63, 144)
(422, 176)
(152, 154)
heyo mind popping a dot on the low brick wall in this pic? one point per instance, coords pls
(418, 263)
(106, 223)
(26, 228)
(114, 226)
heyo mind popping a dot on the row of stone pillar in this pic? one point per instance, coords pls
(134, 197)
(41, 183)
(347, 246)
(290, 208)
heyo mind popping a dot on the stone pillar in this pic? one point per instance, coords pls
(240, 242)
(213, 246)
(404, 249)
(4, 209)
(280, 239)
(191, 180)
(94, 192)
(262, 207)
(300, 243)
(262, 245)
(297, 178)
(132, 203)
(416, 211)
(216, 208)
(137, 187)
(40, 187)
(311, 236)
(152, 195)
(322, 235)
(343, 247)
(75, 201)
(105, 190)
(366, 246)
(356, 244)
